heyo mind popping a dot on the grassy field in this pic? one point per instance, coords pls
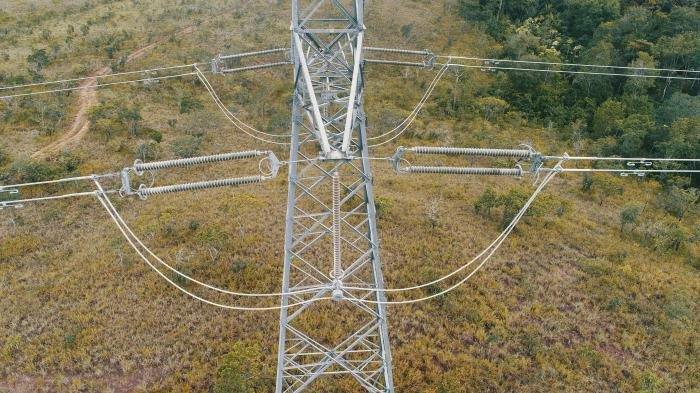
(572, 302)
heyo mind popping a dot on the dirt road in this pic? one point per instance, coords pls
(87, 98)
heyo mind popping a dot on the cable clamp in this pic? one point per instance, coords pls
(274, 165)
(397, 158)
(217, 65)
(337, 293)
(430, 59)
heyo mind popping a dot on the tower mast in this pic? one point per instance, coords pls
(331, 232)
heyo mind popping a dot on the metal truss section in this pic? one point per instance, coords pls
(331, 235)
(327, 38)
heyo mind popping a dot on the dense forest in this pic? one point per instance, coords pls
(628, 117)
(597, 290)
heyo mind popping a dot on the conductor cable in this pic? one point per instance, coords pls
(497, 245)
(494, 245)
(129, 234)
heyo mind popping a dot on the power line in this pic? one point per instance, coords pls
(106, 203)
(496, 243)
(403, 126)
(238, 123)
(496, 61)
(487, 67)
(55, 82)
(66, 180)
(539, 189)
(97, 85)
(121, 222)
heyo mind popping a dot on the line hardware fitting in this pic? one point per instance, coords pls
(268, 168)
(528, 161)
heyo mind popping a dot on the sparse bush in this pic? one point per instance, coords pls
(406, 30)
(238, 266)
(186, 146)
(188, 103)
(630, 215)
(382, 205)
(587, 183)
(4, 157)
(147, 151)
(27, 171)
(678, 202)
(486, 202)
(244, 370)
(665, 236)
(38, 60)
(114, 115)
(433, 213)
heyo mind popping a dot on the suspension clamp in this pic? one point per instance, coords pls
(217, 65)
(430, 59)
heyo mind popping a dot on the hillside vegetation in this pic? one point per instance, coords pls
(597, 290)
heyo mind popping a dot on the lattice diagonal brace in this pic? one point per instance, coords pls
(343, 340)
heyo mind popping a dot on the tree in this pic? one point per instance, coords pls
(607, 119)
(581, 17)
(679, 51)
(131, 116)
(678, 106)
(640, 86)
(491, 107)
(684, 139)
(634, 129)
(595, 86)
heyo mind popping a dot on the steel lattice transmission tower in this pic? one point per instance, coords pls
(331, 233)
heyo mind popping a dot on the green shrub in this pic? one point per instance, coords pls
(38, 60)
(382, 205)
